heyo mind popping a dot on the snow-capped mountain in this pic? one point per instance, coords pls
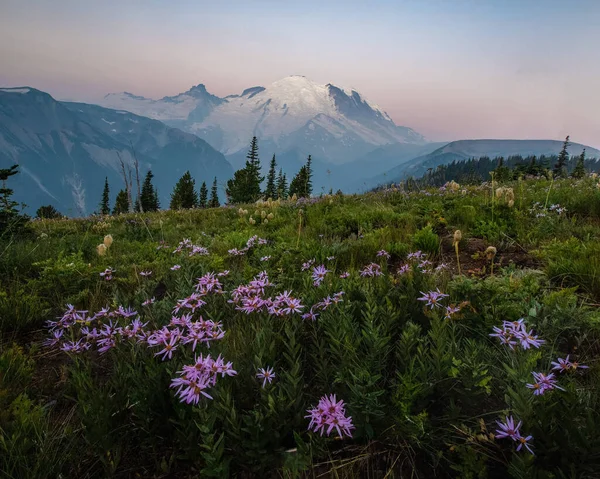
(333, 124)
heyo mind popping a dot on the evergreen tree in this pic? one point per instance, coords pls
(308, 187)
(236, 187)
(298, 182)
(282, 187)
(244, 187)
(10, 217)
(214, 195)
(121, 203)
(104, 204)
(301, 184)
(271, 189)
(48, 212)
(560, 168)
(579, 171)
(184, 194)
(203, 195)
(253, 166)
(149, 197)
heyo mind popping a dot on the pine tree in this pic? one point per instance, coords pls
(560, 168)
(301, 184)
(579, 171)
(156, 200)
(149, 197)
(253, 178)
(121, 203)
(308, 180)
(297, 185)
(203, 195)
(271, 189)
(214, 195)
(282, 187)
(244, 187)
(184, 194)
(10, 217)
(104, 204)
(236, 187)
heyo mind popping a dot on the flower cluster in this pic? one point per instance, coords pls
(515, 332)
(250, 298)
(107, 274)
(331, 414)
(540, 211)
(371, 270)
(543, 383)
(253, 241)
(383, 254)
(195, 379)
(318, 274)
(192, 249)
(509, 430)
(562, 365)
(323, 305)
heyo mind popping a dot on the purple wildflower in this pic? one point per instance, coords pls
(266, 375)
(175, 267)
(383, 254)
(528, 339)
(330, 413)
(145, 274)
(508, 429)
(148, 302)
(432, 298)
(404, 269)
(371, 270)
(543, 383)
(524, 441)
(318, 274)
(345, 275)
(451, 311)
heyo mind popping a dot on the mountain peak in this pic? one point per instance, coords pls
(280, 113)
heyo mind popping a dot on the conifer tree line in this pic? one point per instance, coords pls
(476, 170)
(245, 186)
(184, 196)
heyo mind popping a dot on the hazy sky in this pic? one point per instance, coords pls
(449, 68)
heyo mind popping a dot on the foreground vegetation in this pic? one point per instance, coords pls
(357, 296)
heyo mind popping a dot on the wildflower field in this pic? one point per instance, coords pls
(449, 332)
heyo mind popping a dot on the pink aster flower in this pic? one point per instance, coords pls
(432, 298)
(331, 414)
(267, 375)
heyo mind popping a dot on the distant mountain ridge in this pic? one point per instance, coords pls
(335, 125)
(466, 149)
(66, 149)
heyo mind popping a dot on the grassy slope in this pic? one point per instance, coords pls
(424, 392)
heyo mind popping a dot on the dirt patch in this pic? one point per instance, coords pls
(473, 260)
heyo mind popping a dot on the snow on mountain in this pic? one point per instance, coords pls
(292, 113)
(184, 106)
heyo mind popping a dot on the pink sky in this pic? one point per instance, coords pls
(466, 70)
